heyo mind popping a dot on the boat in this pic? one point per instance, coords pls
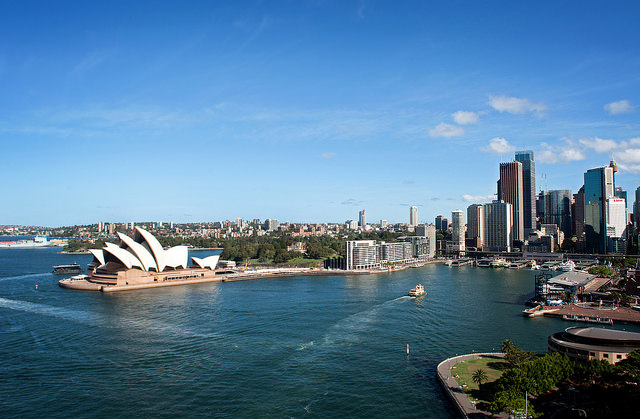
(498, 263)
(418, 291)
(37, 241)
(73, 268)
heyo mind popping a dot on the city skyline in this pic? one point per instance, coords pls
(208, 112)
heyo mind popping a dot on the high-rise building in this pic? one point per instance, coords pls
(475, 222)
(498, 226)
(271, 225)
(413, 216)
(510, 189)
(599, 186)
(442, 223)
(577, 213)
(457, 225)
(636, 209)
(616, 225)
(428, 231)
(557, 209)
(540, 206)
(618, 192)
(383, 223)
(528, 189)
(362, 218)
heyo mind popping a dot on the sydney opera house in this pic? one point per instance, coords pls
(142, 262)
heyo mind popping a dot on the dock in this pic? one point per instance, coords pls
(462, 262)
(581, 312)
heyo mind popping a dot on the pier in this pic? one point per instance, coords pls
(583, 313)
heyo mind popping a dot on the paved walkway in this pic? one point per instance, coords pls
(465, 406)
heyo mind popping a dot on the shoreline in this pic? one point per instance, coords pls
(84, 285)
(466, 408)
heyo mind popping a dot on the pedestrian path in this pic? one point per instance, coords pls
(465, 406)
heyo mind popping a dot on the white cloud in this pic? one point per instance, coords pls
(327, 155)
(565, 153)
(619, 107)
(477, 198)
(446, 131)
(499, 146)
(465, 117)
(628, 159)
(515, 105)
(598, 144)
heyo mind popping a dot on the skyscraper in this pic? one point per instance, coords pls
(497, 226)
(636, 209)
(620, 193)
(413, 216)
(528, 189)
(578, 214)
(510, 190)
(362, 219)
(457, 225)
(557, 209)
(598, 187)
(475, 222)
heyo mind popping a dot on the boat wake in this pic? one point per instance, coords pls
(9, 278)
(63, 313)
(349, 330)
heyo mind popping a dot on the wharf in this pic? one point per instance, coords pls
(84, 284)
(583, 313)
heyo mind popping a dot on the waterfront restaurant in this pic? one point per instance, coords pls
(594, 343)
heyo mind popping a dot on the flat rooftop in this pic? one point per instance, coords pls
(572, 279)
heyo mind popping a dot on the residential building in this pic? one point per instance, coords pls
(528, 189)
(362, 218)
(413, 216)
(362, 254)
(498, 226)
(458, 230)
(428, 231)
(271, 224)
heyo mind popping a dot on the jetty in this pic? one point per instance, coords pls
(585, 312)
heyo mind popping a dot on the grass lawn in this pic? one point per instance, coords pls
(463, 373)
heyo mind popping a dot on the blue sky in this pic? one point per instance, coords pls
(305, 111)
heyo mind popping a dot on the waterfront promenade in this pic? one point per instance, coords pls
(84, 284)
(458, 397)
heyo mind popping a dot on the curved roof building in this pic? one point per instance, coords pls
(594, 343)
(144, 252)
(142, 261)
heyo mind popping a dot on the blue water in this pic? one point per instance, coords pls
(331, 346)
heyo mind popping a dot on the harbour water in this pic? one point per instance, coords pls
(321, 346)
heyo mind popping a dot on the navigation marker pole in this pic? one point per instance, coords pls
(407, 349)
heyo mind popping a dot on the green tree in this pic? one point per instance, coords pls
(480, 376)
(631, 365)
